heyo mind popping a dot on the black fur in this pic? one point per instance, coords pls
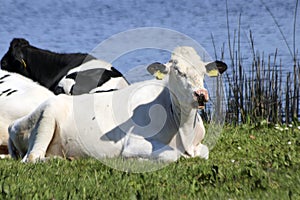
(87, 80)
(43, 66)
(5, 76)
(8, 92)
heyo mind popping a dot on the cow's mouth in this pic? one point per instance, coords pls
(201, 96)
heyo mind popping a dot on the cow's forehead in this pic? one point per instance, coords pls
(188, 60)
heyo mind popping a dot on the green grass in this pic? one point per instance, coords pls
(247, 163)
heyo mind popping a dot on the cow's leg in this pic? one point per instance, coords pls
(196, 148)
(19, 133)
(139, 147)
(13, 152)
(164, 152)
(199, 149)
(41, 136)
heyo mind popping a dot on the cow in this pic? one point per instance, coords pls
(19, 96)
(153, 119)
(70, 73)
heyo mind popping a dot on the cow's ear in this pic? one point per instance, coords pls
(158, 70)
(215, 68)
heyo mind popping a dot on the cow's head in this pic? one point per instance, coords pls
(14, 60)
(186, 72)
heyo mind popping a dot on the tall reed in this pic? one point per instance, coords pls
(265, 92)
(262, 93)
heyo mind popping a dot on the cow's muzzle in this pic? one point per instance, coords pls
(201, 96)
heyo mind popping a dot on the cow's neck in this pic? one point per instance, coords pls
(48, 67)
(184, 115)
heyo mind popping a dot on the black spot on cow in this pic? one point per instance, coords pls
(101, 91)
(87, 80)
(5, 76)
(5, 91)
(11, 92)
(8, 92)
(59, 90)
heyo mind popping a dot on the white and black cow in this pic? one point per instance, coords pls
(155, 119)
(19, 96)
(52, 70)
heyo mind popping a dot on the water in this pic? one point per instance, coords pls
(79, 26)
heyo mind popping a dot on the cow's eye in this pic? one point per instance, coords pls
(179, 72)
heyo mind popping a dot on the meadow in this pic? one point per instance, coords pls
(248, 162)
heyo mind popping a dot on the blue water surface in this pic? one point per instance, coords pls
(79, 26)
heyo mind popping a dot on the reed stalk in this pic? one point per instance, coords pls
(265, 92)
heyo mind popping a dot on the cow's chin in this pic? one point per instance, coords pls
(201, 107)
(196, 105)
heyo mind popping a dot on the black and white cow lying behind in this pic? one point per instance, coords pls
(155, 119)
(61, 73)
(19, 96)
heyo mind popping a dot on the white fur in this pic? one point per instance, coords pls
(66, 84)
(27, 97)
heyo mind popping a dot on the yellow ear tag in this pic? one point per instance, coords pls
(159, 75)
(213, 73)
(24, 64)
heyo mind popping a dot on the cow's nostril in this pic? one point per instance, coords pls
(200, 99)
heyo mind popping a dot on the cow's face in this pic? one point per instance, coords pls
(186, 73)
(14, 60)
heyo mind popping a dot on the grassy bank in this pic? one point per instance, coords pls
(247, 163)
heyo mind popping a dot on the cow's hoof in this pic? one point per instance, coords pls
(33, 158)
